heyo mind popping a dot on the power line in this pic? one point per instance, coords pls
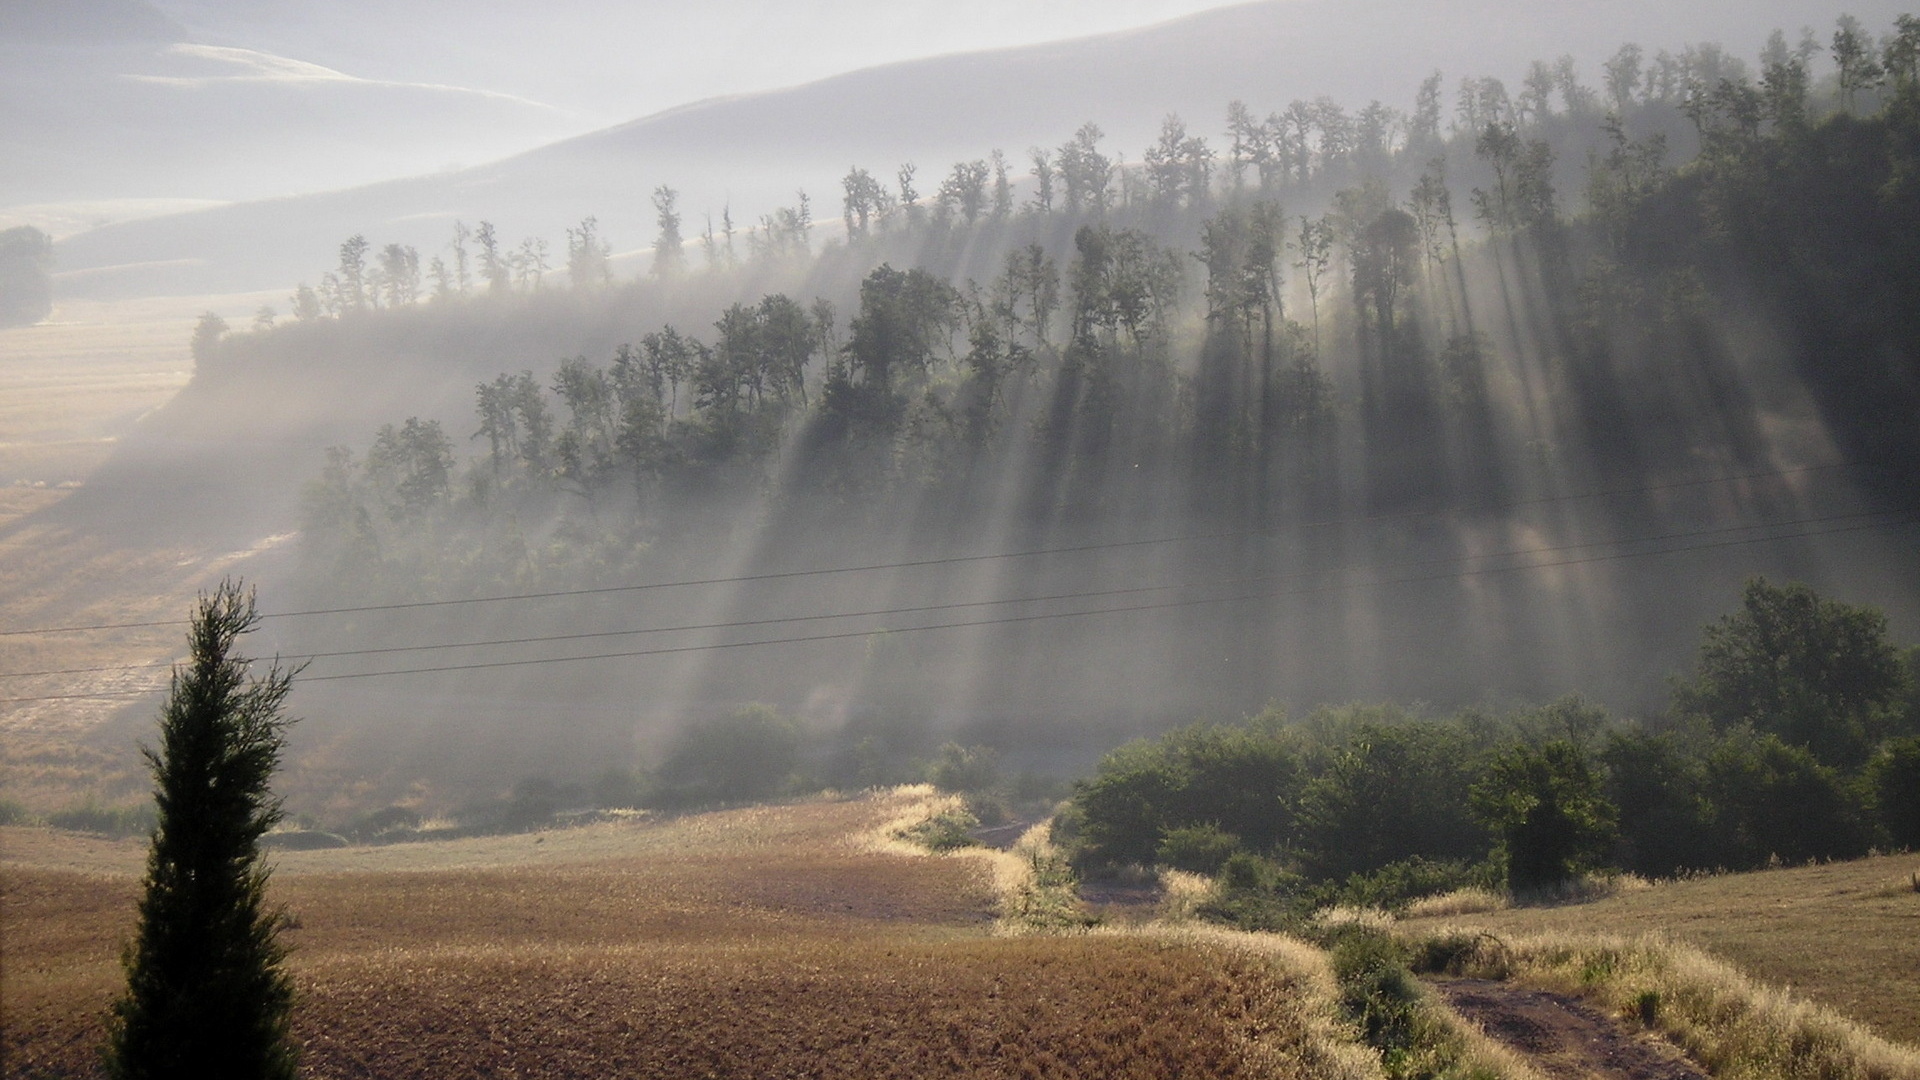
(1365, 519)
(1015, 619)
(960, 605)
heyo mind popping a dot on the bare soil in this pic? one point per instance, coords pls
(1563, 1037)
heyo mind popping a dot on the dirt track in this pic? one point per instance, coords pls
(1564, 1038)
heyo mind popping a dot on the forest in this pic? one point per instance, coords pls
(1482, 402)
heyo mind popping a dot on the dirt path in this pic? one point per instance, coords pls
(1563, 1037)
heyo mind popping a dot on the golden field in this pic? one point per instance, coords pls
(768, 942)
(71, 389)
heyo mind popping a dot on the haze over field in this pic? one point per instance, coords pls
(1431, 445)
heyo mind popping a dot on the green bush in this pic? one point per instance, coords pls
(965, 769)
(1399, 883)
(1199, 849)
(1773, 800)
(1255, 893)
(1390, 793)
(943, 832)
(1895, 779)
(743, 757)
(1239, 779)
(107, 821)
(1546, 804)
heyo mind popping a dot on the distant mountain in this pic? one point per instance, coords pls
(754, 152)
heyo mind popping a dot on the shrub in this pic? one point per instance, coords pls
(113, 821)
(965, 769)
(1254, 893)
(746, 756)
(950, 831)
(1239, 779)
(1895, 779)
(1776, 800)
(1546, 804)
(388, 824)
(1198, 849)
(1391, 793)
(1818, 673)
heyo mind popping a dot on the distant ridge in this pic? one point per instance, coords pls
(753, 152)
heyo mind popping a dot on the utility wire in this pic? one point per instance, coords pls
(960, 605)
(1365, 519)
(1014, 619)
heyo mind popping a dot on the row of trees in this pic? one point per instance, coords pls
(1307, 145)
(1797, 738)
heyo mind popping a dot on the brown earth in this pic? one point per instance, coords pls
(1563, 1037)
(770, 942)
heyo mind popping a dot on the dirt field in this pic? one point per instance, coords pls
(759, 943)
(1843, 934)
(70, 389)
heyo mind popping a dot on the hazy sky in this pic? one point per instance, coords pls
(611, 61)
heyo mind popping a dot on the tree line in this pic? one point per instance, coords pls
(1797, 737)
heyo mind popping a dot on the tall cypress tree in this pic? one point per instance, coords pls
(207, 989)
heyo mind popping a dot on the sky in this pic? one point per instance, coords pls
(605, 62)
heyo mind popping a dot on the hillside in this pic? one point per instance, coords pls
(753, 151)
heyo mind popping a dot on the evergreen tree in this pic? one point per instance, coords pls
(207, 990)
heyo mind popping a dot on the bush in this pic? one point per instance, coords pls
(1895, 779)
(12, 813)
(1775, 800)
(747, 756)
(1198, 849)
(1239, 779)
(1255, 893)
(107, 821)
(1391, 793)
(1397, 884)
(385, 825)
(965, 769)
(1545, 802)
(950, 831)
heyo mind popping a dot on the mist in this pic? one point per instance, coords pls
(1357, 405)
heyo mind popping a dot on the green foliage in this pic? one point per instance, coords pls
(749, 755)
(1378, 994)
(12, 812)
(1199, 849)
(1895, 778)
(1546, 804)
(950, 831)
(1666, 817)
(1399, 883)
(1774, 800)
(1255, 893)
(105, 820)
(965, 769)
(1234, 778)
(207, 990)
(1818, 673)
(1390, 793)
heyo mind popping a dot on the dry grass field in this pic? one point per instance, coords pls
(70, 389)
(1844, 935)
(770, 942)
